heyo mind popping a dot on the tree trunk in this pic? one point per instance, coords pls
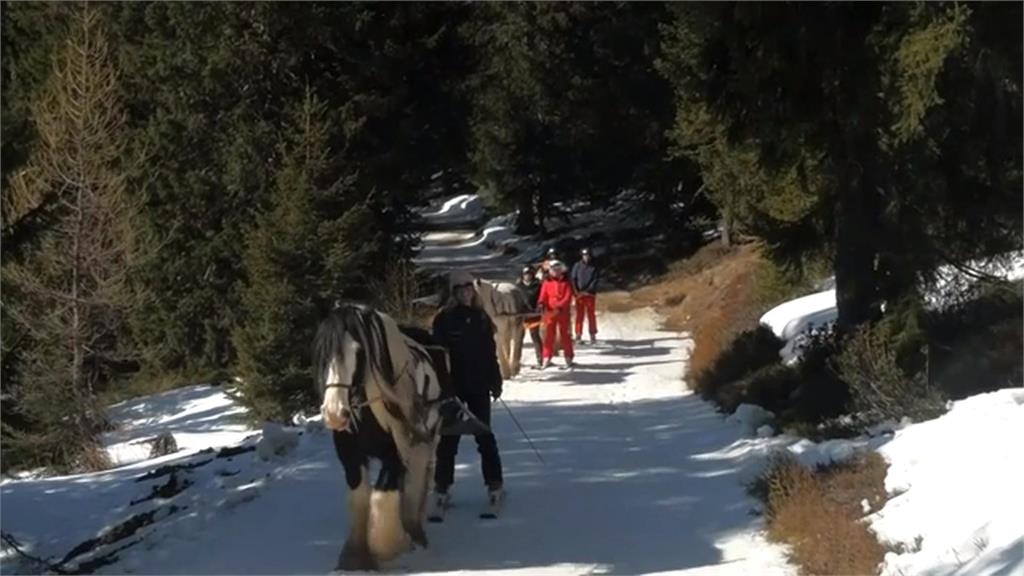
(726, 225)
(856, 225)
(539, 208)
(78, 359)
(526, 220)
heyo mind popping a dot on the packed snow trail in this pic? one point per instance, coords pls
(638, 476)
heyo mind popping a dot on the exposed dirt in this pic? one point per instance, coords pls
(712, 295)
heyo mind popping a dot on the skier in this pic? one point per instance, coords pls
(530, 286)
(545, 265)
(555, 299)
(467, 332)
(584, 286)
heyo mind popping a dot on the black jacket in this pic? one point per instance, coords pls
(531, 290)
(584, 277)
(468, 335)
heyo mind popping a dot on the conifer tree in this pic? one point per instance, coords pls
(284, 289)
(73, 286)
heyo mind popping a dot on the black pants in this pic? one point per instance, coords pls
(486, 445)
(538, 344)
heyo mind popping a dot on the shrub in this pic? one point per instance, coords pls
(883, 365)
(822, 394)
(748, 352)
(976, 346)
(818, 513)
(772, 387)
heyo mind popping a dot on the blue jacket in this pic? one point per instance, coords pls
(584, 277)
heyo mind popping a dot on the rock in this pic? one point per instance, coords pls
(750, 417)
(163, 445)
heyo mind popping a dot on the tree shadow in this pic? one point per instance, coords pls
(642, 487)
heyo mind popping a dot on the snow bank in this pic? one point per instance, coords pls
(461, 208)
(958, 506)
(198, 416)
(785, 318)
(751, 418)
(951, 284)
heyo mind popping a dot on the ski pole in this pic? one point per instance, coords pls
(523, 432)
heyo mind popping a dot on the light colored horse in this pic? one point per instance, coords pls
(506, 304)
(381, 398)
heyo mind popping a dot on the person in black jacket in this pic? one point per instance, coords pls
(468, 333)
(530, 286)
(584, 286)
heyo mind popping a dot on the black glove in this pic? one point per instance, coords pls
(496, 392)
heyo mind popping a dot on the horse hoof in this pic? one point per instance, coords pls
(356, 559)
(418, 536)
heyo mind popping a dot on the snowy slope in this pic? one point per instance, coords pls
(958, 482)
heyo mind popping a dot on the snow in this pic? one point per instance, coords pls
(198, 417)
(784, 319)
(956, 486)
(954, 483)
(275, 441)
(751, 418)
(493, 251)
(793, 320)
(459, 210)
(952, 284)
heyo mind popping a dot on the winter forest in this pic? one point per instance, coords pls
(189, 188)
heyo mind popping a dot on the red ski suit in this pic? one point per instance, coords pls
(555, 298)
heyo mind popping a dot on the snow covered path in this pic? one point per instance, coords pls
(639, 477)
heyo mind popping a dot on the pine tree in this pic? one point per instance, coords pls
(852, 125)
(73, 287)
(285, 292)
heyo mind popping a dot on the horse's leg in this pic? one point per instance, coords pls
(501, 338)
(414, 491)
(355, 555)
(517, 347)
(387, 534)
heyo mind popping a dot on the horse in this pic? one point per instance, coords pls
(382, 389)
(506, 304)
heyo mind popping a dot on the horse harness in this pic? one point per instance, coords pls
(420, 406)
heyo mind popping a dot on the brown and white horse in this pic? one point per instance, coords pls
(506, 304)
(381, 398)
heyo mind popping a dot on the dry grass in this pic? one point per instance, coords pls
(818, 513)
(94, 458)
(711, 295)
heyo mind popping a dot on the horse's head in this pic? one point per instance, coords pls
(346, 342)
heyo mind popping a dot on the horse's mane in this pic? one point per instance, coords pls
(363, 324)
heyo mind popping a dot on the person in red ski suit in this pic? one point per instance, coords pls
(554, 300)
